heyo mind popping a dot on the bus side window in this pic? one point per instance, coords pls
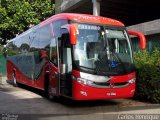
(53, 51)
(34, 41)
(53, 45)
(45, 37)
(25, 46)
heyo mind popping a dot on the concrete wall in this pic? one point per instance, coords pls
(150, 29)
(152, 32)
(147, 28)
(67, 5)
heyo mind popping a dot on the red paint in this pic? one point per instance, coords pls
(73, 34)
(101, 93)
(82, 18)
(21, 78)
(44, 55)
(53, 81)
(123, 78)
(72, 28)
(141, 38)
(76, 73)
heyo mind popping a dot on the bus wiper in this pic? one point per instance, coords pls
(91, 70)
(106, 52)
(107, 46)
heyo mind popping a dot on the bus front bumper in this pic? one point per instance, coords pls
(83, 92)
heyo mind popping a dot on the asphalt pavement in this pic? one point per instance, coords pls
(27, 103)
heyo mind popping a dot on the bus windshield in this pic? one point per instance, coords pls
(103, 50)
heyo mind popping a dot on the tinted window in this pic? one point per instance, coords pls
(53, 51)
(22, 44)
(56, 33)
(45, 37)
(57, 27)
(25, 46)
(34, 40)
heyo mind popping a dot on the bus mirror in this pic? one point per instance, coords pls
(72, 28)
(141, 37)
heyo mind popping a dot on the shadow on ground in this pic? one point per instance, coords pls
(63, 105)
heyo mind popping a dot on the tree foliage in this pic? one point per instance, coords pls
(148, 75)
(17, 16)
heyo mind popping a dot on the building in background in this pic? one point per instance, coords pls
(140, 15)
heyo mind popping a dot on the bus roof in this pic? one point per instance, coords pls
(75, 17)
(82, 18)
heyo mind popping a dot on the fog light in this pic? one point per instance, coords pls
(132, 81)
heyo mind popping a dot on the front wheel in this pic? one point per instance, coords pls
(50, 93)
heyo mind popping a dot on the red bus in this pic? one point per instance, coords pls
(79, 56)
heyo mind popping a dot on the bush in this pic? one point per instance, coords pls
(2, 50)
(148, 75)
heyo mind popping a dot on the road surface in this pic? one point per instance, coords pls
(29, 103)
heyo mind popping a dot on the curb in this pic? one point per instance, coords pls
(139, 107)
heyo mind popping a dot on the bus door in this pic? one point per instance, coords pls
(54, 67)
(66, 64)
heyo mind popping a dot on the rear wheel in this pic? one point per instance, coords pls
(15, 84)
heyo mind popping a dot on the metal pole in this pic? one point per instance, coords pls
(96, 7)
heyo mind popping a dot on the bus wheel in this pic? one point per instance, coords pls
(50, 94)
(15, 84)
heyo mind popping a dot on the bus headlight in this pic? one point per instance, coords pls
(83, 81)
(132, 81)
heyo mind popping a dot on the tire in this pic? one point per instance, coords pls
(15, 84)
(50, 94)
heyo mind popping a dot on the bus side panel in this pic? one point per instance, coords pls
(9, 67)
(21, 78)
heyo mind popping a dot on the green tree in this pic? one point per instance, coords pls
(148, 75)
(17, 16)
